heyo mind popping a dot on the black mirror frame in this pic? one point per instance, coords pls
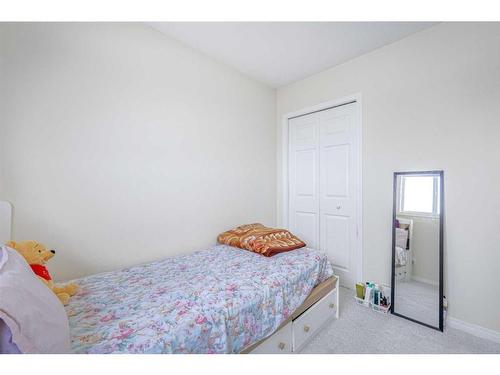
(439, 173)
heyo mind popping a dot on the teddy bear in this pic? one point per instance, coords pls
(37, 255)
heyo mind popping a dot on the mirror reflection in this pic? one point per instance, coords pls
(417, 245)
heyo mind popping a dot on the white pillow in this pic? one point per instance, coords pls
(33, 313)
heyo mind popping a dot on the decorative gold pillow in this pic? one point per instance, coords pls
(260, 239)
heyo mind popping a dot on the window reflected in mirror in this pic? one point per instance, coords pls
(419, 195)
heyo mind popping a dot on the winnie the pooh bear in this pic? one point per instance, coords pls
(37, 255)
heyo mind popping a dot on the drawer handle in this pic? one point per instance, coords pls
(307, 328)
(332, 305)
(281, 345)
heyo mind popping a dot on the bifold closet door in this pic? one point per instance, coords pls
(338, 190)
(323, 185)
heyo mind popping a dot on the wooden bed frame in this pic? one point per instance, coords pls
(320, 306)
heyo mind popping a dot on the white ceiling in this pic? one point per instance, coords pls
(279, 53)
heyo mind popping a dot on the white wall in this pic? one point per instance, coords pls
(425, 248)
(430, 101)
(122, 146)
(3, 96)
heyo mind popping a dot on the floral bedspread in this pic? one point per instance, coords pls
(218, 300)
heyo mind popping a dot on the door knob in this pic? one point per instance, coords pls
(307, 328)
(332, 305)
(281, 345)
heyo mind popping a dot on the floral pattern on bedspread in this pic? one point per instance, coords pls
(218, 300)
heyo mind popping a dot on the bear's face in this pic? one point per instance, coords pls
(34, 252)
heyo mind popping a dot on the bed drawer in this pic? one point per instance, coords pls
(278, 343)
(308, 324)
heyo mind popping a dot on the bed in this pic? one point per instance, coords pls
(218, 300)
(403, 249)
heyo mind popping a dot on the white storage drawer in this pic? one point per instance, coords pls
(307, 325)
(278, 343)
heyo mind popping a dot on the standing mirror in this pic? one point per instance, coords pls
(417, 247)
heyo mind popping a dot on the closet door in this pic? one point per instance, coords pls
(338, 190)
(304, 178)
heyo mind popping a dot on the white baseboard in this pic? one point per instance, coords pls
(473, 329)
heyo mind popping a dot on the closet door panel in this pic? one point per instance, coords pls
(337, 233)
(304, 179)
(337, 170)
(306, 228)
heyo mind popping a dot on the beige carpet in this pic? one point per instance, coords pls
(360, 330)
(418, 300)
